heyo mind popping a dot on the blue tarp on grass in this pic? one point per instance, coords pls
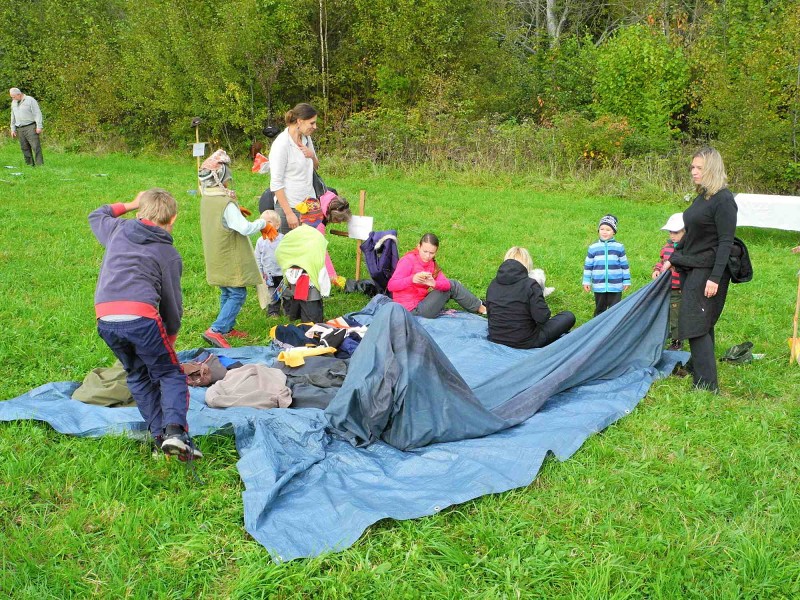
(308, 491)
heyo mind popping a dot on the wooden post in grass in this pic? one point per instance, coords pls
(362, 200)
(197, 141)
(794, 343)
(196, 150)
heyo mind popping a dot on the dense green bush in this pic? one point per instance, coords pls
(746, 91)
(383, 135)
(642, 75)
(597, 143)
(453, 83)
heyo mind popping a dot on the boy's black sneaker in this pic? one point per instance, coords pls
(178, 443)
(157, 441)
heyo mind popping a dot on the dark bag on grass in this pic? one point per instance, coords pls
(364, 286)
(740, 353)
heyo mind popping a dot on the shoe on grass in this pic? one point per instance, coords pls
(675, 345)
(235, 333)
(215, 338)
(178, 443)
(157, 441)
(680, 371)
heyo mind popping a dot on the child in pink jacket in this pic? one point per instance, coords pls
(421, 287)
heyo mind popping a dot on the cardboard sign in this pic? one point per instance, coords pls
(359, 228)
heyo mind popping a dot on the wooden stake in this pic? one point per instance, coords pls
(362, 200)
(197, 171)
(794, 342)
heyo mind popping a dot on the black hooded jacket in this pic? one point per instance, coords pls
(515, 304)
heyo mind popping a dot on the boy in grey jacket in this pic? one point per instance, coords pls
(138, 305)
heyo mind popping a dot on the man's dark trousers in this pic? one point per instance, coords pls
(30, 144)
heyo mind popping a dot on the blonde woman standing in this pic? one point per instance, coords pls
(702, 261)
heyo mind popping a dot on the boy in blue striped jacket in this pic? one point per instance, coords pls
(605, 270)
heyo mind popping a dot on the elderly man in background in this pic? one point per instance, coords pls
(26, 124)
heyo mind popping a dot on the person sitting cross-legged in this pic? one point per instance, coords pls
(518, 313)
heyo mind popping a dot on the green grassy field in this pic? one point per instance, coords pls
(692, 495)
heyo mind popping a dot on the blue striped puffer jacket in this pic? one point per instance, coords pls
(606, 267)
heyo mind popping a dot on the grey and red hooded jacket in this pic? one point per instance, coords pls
(141, 270)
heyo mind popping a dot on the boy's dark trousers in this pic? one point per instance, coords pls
(674, 310)
(155, 378)
(605, 300)
(307, 311)
(275, 306)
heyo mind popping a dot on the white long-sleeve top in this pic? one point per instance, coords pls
(290, 170)
(265, 255)
(232, 218)
(24, 112)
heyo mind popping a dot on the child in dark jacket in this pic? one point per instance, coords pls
(676, 230)
(518, 313)
(139, 306)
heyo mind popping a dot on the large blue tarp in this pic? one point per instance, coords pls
(403, 387)
(309, 491)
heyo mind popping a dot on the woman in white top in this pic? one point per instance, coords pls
(292, 162)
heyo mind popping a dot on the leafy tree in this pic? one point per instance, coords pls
(746, 91)
(641, 75)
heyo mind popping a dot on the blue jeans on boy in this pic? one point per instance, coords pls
(231, 300)
(155, 378)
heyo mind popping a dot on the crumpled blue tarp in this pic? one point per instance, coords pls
(403, 388)
(308, 492)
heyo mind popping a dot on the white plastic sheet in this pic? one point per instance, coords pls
(763, 210)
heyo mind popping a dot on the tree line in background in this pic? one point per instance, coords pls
(510, 83)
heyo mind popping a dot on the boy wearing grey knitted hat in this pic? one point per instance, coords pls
(606, 271)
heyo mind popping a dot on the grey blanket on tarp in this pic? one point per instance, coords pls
(402, 388)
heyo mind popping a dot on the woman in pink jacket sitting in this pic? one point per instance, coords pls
(420, 286)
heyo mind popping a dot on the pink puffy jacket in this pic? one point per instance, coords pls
(404, 290)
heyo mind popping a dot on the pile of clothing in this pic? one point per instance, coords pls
(315, 358)
(308, 372)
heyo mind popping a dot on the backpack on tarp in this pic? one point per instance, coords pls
(105, 386)
(203, 370)
(381, 255)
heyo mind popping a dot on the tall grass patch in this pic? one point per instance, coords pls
(692, 495)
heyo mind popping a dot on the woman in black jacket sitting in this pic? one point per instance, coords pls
(518, 313)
